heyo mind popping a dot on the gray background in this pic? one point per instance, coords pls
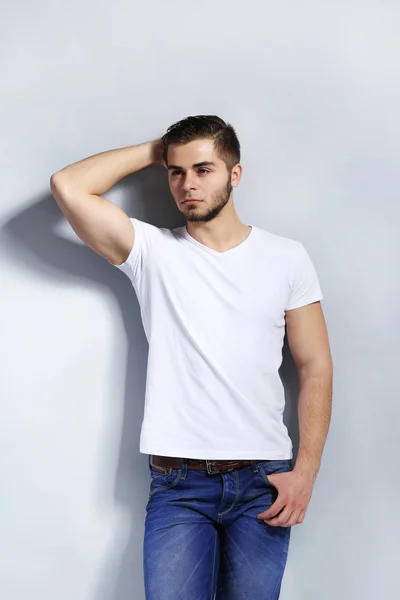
(313, 90)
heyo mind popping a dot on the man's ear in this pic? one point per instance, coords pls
(236, 174)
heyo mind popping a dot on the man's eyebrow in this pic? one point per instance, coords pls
(204, 163)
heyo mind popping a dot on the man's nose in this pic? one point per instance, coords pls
(189, 182)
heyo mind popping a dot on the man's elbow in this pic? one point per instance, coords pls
(319, 367)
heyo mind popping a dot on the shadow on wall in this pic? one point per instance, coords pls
(30, 238)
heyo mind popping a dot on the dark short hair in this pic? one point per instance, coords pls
(200, 127)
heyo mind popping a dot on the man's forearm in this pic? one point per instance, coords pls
(97, 174)
(315, 408)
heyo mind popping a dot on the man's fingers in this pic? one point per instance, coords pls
(273, 510)
(285, 519)
(301, 516)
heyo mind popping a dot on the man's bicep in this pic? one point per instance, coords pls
(307, 337)
(100, 224)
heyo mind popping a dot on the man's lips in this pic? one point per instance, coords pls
(191, 200)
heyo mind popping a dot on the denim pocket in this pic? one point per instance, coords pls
(163, 480)
(270, 467)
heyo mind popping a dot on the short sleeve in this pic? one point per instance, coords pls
(133, 265)
(304, 284)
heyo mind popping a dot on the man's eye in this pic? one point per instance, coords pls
(204, 170)
(175, 172)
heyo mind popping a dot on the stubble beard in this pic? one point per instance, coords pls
(220, 200)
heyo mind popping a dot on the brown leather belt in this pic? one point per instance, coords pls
(166, 464)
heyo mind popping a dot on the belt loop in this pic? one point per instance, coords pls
(184, 468)
(254, 465)
(210, 469)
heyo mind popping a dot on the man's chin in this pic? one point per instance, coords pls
(194, 213)
(191, 218)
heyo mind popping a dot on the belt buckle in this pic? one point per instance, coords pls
(209, 467)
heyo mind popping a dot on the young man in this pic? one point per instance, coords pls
(216, 298)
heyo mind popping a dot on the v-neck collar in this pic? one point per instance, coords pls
(191, 239)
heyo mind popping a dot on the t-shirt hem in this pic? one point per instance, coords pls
(263, 454)
(305, 302)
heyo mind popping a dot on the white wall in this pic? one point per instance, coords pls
(313, 90)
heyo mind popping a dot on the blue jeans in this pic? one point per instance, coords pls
(203, 540)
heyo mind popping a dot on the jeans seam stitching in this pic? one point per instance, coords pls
(279, 581)
(213, 571)
(264, 475)
(235, 500)
(168, 487)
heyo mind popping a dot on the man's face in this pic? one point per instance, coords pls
(199, 180)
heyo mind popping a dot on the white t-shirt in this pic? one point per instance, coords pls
(215, 323)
